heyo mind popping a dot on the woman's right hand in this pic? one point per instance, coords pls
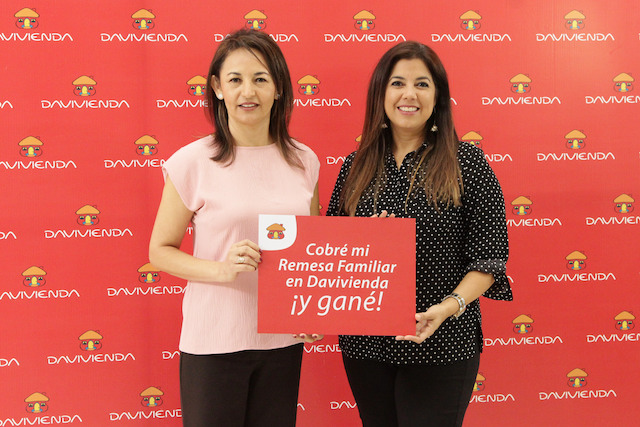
(243, 256)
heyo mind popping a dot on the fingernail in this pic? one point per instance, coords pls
(314, 336)
(303, 336)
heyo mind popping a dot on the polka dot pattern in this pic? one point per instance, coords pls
(449, 244)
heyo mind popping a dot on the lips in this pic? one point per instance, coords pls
(408, 109)
(248, 105)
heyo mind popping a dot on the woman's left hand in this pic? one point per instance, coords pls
(427, 323)
(308, 337)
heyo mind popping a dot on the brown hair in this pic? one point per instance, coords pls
(437, 170)
(253, 41)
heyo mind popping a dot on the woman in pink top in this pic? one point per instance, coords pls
(229, 374)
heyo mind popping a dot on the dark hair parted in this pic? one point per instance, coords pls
(255, 42)
(437, 169)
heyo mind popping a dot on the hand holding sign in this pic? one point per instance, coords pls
(427, 323)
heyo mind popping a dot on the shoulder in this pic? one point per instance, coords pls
(200, 149)
(348, 161)
(469, 152)
(470, 157)
(304, 151)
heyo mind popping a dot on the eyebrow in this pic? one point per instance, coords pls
(259, 73)
(402, 78)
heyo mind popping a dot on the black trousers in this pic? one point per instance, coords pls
(244, 389)
(411, 395)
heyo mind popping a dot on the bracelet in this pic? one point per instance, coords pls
(462, 305)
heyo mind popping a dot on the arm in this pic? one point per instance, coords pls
(314, 209)
(472, 285)
(486, 245)
(172, 219)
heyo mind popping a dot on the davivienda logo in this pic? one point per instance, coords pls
(522, 327)
(90, 343)
(624, 324)
(623, 83)
(258, 20)
(87, 217)
(37, 406)
(575, 143)
(30, 147)
(309, 87)
(27, 20)
(470, 22)
(151, 398)
(143, 21)
(575, 21)
(576, 263)
(84, 89)
(521, 84)
(364, 23)
(146, 147)
(623, 206)
(150, 276)
(576, 380)
(34, 279)
(31, 150)
(37, 403)
(84, 86)
(255, 20)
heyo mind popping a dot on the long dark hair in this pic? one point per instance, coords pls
(255, 42)
(437, 170)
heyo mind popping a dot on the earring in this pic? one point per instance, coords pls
(277, 96)
(384, 125)
(434, 128)
(219, 96)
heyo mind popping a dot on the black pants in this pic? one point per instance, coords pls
(243, 389)
(411, 395)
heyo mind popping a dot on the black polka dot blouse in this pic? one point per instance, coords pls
(449, 244)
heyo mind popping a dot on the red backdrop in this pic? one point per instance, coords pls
(89, 332)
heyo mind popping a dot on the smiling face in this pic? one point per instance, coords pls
(247, 87)
(410, 96)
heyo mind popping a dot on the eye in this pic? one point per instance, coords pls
(397, 83)
(234, 80)
(423, 84)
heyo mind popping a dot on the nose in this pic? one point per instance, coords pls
(409, 92)
(247, 88)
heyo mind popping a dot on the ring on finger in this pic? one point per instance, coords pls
(240, 260)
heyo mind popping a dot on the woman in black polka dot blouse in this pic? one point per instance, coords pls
(410, 164)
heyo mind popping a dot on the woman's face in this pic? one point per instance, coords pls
(247, 88)
(410, 95)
